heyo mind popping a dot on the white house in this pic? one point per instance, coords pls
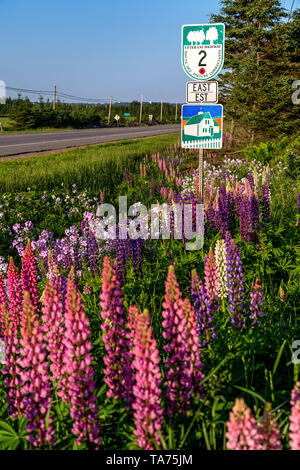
(202, 125)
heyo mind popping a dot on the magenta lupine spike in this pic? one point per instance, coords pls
(35, 386)
(77, 372)
(28, 275)
(241, 428)
(53, 329)
(148, 412)
(118, 374)
(14, 293)
(212, 283)
(268, 434)
(180, 332)
(3, 302)
(256, 303)
(295, 418)
(12, 323)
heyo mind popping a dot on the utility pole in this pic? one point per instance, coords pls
(161, 110)
(109, 110)
(176, 113)
(54, 98)
(141, 109)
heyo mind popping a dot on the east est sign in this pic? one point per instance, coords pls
(202, 50)
(202, 92)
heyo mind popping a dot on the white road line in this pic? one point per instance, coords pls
(72, 139)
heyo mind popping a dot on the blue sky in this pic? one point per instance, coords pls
(97, 48)
(192, 110)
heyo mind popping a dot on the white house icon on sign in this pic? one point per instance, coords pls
(202, 125)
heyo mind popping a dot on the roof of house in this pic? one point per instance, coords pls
(198, 118)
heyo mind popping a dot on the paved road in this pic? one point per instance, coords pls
(14, 144)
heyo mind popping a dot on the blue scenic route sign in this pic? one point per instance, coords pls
(201, 126)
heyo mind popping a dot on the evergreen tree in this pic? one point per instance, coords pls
(256, 85)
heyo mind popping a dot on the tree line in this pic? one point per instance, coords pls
(26, 114)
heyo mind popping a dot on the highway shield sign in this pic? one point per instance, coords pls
(202, 50)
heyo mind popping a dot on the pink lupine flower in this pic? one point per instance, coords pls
(295, 418)
(77, 374)
(53, 329)
(241, 428)
(3, 302)
(10, 332)
(182, 347)
(212, 283)
(148, 412)
(35, 386)
(14, 293)
(282, 294)
(268, 434)
(118, 375)
(28, 275)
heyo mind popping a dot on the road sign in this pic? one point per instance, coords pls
(126, 114)
(202, 92)
(150, 117)
(117, 117)
(201, 126)
(202, 50)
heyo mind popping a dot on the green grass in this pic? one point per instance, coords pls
(98, 167)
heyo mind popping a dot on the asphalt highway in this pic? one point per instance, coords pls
(29, 142)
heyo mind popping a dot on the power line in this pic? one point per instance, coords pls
(59, 93)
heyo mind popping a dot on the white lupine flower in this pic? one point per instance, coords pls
(220, 257)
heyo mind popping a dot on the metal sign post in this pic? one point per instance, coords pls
(201, 173)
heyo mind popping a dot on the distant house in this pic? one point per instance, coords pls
(202, 125)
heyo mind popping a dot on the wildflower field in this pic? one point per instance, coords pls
(141, 343)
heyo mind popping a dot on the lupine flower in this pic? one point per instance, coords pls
(241, 428)
(212, 284)
(77, 374)
(11, 328)
(220, 257)
(35, 382)
(3, 301)
(183, 366)
(118, 375)
(282, 294)
(28, 275)
(53, 329)
(295, 418)
(256, 302)
(204, 309)
(268, 434)
(148, 412)
(235, 276)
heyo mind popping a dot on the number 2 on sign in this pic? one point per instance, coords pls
(202, 58)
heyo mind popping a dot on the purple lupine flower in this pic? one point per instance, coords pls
(256, 303)
(77, 379)
(203, 308)
(295, 418)
(148, 412)
(254, 216)
(235, 277)
(265, 202)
